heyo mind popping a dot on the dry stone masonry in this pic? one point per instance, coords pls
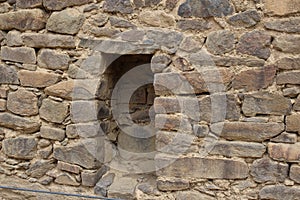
(150, 99)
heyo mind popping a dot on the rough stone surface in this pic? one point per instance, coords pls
(68, 167)
(157, 18)
(255, 43)
(273, 7)
(66, 179)
(24, 55)
(295, 173)
(23, 102)
(103, 184)
(68, 21)
(38, 40)
(291, 77)
(287, 43)
(220, 42)
(40, 168)
(91, 177)
(29, 3)
(284, 152)
(173, 185)
(245, 19)
(54, 111)
(265, 103)
(34, 19)
(292, 123)
(121, 6)
(288, 63)
(207, 8)
(194, 167)
(14, 38)
(8, 74)
(254, 79)
(278, 192)
(243, 131)
(37, 79)
(193, 24)
(122, 187)
(193, 195)
(59, 4)
(266, 170)
(284, 25)
(285, 138)
(21, 148)
(52, 59)
(52, 133)
(18, 123)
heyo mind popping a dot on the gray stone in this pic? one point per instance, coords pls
(8, 74)
(292, 123)
(122, 187)
(19, 123)
(52, 133)
(51, 59)
(23, 102)
(133, 35)
(206, 8)
(20, 148)
(37, 79)
(157, 18)
(246, 19)
(68, 21)
(174, 184)
(266, 170)
(120, 22)
(85, 130)
(287, 43)
(279, 192)
(34, 19)
(29, 3)
(255, 43)
(121, 6)
(68, 167)
(91, 177)
(245, 131)
(193, 24)
(200, 130)
(66, 179)
(168, 39)
(47, 40)
(290, 77)
(103, 184)
(152, 2)
(266, 103)
(290, 25)
(288, 63)
(24, 55)
(295, 173)
(285, 138)
(238, 149)
(284, 152)
(104, 32)
(59, 4)
(53, 111)
(297, 104)
(14, 38)
(171, 4)
(190, 44)
(228, 61)
(39, 168)
(196, 167)
(78, 154)
(220, 42)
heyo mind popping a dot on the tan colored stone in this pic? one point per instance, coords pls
(52, 133)
(39, 168)
(284, 152)
(54, 111)
(68, 167)
(287, 43)
(24, 55)
(23, 102)
(285, 137)
(290, 77)
(295, 173)
(91, 177)
(279, 192)
(26, 125)
(157, 18)
(66, 179)
(293, 123)
(288, 63)
(37, 79)
(29, 3)
(47, 40)
(2, 105)
(284, 7)
(193, 195)
(175, 184)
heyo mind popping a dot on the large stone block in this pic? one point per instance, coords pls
(51, 59)
(40, 168)
(24, 55)
(54, 111)
(284, 152)
(295, 173)
(291, 77)
(289, 25)
(8, 74)
(245, 19)
(246, 131)
(34, 19)
(281, 8)
(279, 192)
(37, 79)
(20, 148)
(52, 133)
(157, 18)
(47, 40)
(17, 123)
(220, 42)
(287, 43)
(288, 63)
(197, 168)
(292, 123)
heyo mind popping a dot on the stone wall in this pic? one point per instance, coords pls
(150, 99)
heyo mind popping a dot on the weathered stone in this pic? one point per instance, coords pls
(66, 179)
(175, 184)
(189, 44)
(288, 63)
(18, 123)
(291, 92)
(193, 24)
(289, 25)
(133, 35)
(23, 102)
(78, 154)
(200, 130)
(86, 130)
(52, 59)
(34, 19)
(43, 40)
(171, 4)
(20, 148)
(157, 18)
(295, 173)
(152, 2)
(103, 184)
(281, 8)
(104, 32)
(254, 79)
(182, 64)
(91, 177)
(195, 167)
(297, 104)
(122, 187)
(121, 6)
(19, 54)
(2, 105)
(238, 149)
(8, 75)
(246, 19)
(167, 39)
(228, 61)
(284, 152)
(207, 8)
(45, 152)
(220, 42)
(291, 77)
(37, 79)
(266, 103)
(14, 38)
(266, 170)
(279, 192)
(120, 22)
(245, 131)
(193, 195)
(29, 3)
(60, 4)
(287, 43)
(52, 133)
(68, 21)
(68, 167)
(172, 122)
(292, 123)
(255, 43)
(99, 19)
(39, 168)
(53, 111)
(285, 138)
